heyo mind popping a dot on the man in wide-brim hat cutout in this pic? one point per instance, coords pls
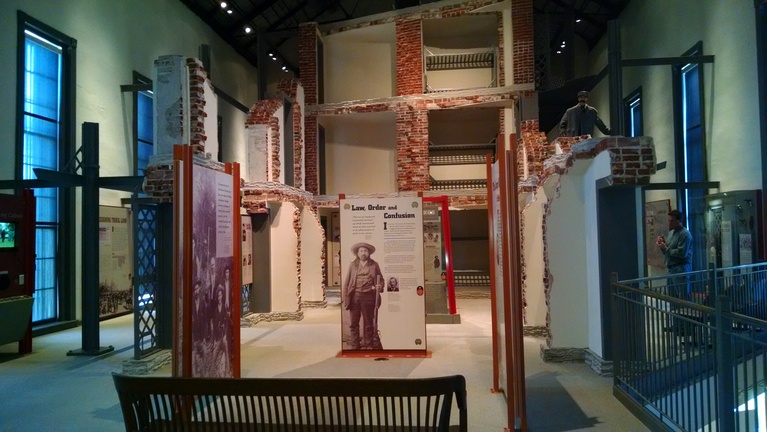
(361, 296)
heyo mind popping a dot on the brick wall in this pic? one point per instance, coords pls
(307, 60)
(307, 64)
(523, 42)
(409, 57)
(264, 113)
(412, 148)
(197, 78)
(536, 147)
(311, 155)
(501, 67)
(158, 181)
(290, 88)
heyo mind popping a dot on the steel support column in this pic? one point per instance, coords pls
(616, 76)
(90, 244)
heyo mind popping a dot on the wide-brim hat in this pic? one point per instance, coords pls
(367, 246)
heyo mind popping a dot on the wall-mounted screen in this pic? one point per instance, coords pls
(7, 235)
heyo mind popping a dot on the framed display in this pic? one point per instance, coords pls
(656, 223)
(209, 249)
(115, 262)
(382, 286)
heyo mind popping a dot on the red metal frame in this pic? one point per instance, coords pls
(443, 201)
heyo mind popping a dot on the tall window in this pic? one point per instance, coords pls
(690, 147)
(44, 59)
(633, 110)
(143, 127)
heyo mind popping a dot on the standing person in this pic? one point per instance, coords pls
(677, 254)
(362, 292)
(580, 119)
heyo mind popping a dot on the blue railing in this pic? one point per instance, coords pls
(690, 350)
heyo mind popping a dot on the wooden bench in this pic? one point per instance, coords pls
(291, 404)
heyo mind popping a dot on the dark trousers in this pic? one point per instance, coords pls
(363, 306)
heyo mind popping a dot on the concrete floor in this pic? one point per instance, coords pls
(47, 390)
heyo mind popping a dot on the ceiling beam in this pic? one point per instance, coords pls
(250, 16)
(225, 35)
(290, 14)
(604, 5)
(602, 28)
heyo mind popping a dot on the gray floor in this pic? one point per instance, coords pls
(47, 390)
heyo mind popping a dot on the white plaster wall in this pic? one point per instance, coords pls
(574, 256)
(311, 256)
(459, 79)
(283, 263)
(360, 155)
(566, 237)
(458, 172)
(533, 255)
(599, 168)
(114, 38)
(727, 30)
(258, 161)
(360, 64)
(106, 59)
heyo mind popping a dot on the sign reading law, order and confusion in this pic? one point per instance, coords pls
(382, 285)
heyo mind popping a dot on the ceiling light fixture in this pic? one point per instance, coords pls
(247, 30)
(223, 5)
(578, 20)
(559, 52)
(229, 11)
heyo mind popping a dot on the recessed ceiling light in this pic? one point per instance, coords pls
(559, 52)
(578, 20)
(274, 57)
(247, 30)
(223, 5)
(229, 11)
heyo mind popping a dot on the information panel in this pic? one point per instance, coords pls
(382, 287)
(212, 274)
(115, 262)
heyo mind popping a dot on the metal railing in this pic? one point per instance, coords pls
(690, 349)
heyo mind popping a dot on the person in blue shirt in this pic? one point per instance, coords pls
(677, 254)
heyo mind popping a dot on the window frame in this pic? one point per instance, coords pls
(138, 79)
(679, 132)
(634, 97)
(65, 258)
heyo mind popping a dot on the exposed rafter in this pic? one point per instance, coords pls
(250, 16)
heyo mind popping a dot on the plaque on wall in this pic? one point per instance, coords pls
(656, 224)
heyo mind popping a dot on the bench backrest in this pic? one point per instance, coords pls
(296, 404)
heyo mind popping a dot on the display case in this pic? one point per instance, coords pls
(734, 224)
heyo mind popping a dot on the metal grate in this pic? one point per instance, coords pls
(145, 280)
(457, 160)
(472, 279)
(460, 61)
(458, 184)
